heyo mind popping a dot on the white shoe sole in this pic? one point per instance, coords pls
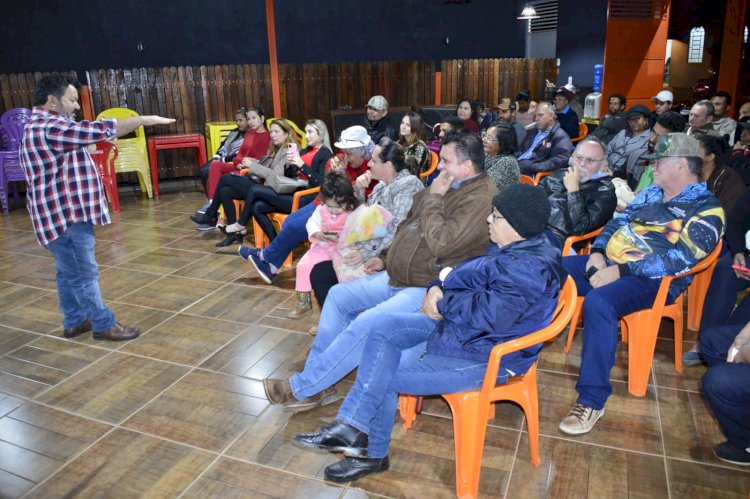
(581, 431)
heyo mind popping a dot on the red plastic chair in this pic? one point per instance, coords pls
(104, 158)
(472, 409)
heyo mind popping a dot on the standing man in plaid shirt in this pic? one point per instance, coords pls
(66, 200)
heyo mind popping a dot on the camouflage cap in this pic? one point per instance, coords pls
(674, 145)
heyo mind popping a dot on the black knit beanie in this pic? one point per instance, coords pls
(525, 207)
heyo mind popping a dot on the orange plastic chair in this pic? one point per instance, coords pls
(697, 297)
(104, 158)
(540, 175)
(569, 242)
(640, 328)
(525, 179)
(434, 160)
(472, 409)
(261, 240)
(583, 130)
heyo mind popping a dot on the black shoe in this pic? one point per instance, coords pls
(731, 454)
(230, 240)
(354, 468)
(334, 437)
(205, 219)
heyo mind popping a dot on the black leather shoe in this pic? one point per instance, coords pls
(206, 218)
(334, 437)
(230, 240)
(354, 468)
(81, 328)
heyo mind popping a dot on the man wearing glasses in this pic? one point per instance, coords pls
(582, 196)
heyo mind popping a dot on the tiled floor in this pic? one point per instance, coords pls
(181, 410)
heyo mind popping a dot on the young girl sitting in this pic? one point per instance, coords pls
(337, 200)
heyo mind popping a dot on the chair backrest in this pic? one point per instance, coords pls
(571, 240)
(525, 179)
(122, 112)
(13, 122)
(434, 160)
(566, 303)
(104, 158)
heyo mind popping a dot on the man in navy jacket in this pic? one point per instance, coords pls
(506, 294)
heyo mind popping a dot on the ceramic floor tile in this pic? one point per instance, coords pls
(13, 296)
(117, 253)
(24, 243)
(128, 464)
(688, 479)
(239, 303)
(184, 339)
(205, 241)
(114, 388)
(39, 316)
(41, 275)
(10, 339)
(117, 282)
(213, 267)
(171, 293)
(162, 260)
(206, 410)
(665, 374)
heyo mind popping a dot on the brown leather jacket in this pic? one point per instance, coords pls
(441, 231)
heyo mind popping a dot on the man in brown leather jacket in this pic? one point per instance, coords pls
(444, 227)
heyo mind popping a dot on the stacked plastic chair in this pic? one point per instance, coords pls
(12, 123)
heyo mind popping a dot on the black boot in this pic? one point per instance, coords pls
(334, 437)
(207, 218)
(230, 240)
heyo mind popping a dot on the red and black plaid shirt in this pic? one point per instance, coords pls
(63, 182)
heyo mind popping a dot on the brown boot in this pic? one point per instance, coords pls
(118, 332)
(304, 305)
(278, 391)
(327, 396)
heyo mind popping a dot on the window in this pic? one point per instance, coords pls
(695, 47)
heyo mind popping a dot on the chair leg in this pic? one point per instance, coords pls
(678, 330)
(469, 429)
(407, 406)
(641, 351)
(530, 405)
(574, 323)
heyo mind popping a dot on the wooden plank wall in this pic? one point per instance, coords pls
(195, 95)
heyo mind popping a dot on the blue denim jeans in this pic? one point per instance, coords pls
(351, 312)
(721, 296)
(292, 234)
(602, 310)
(396, 362)
(726, 386)
(78, 278)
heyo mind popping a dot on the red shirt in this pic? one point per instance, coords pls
(255, 145)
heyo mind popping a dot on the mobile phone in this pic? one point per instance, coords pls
(741, 269)
(330, 233)
(292, 147)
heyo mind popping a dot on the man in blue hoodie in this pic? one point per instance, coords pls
(506, 294)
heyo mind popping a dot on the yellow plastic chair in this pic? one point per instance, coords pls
(301, 137)
(133, 152)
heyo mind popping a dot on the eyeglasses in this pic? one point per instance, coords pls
(486, 137)
(586, 161)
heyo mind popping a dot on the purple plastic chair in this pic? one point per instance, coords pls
(12, 123)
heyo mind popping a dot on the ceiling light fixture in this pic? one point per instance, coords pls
(528, 12)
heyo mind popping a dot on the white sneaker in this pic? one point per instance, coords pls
(580, 420)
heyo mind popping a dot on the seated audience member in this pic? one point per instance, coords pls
(484, 115)
(524, 111)
(440, 231)
(254, 146)
(726, 386)
(465, 110)
(667, 228)
(744, 115)
(663, 102)
(499, 160)
(307, 165)
(507, 114)
(700, 118)
(395, 192)
(740, 161)
(233, 187)
(566, 117)
(378, 124)
(546, 147)
(612, 122)
(582, 196)
(449, 124)
(638, 168)
(630, 140)
(722, 123)
(357, 149)
(723, 182)
(226, 152)
(411, 138)
(513, 291)
(337, 201)
(575, 104)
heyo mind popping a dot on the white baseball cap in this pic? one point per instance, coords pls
(664, 96)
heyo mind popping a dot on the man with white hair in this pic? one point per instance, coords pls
(546, 147)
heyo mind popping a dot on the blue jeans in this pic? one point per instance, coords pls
(78, 278)
(395, 363)
(722, 295)
(726, 386)
(602, 310)
(351, 312)
(292, 234)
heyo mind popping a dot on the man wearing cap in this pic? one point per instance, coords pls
(582, 196)
(722, 123)
(665, 230)
(638, 167)
(506, 112)
(612, 122)
(663, 102)
(546, 147)
(377, 124)
(630, 140)
(511, 291)
(701, 118)
(440, 231)
(567, 118)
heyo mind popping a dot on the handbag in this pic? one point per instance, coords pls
(285, 185)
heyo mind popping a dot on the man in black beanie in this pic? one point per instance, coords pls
(510, 292)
